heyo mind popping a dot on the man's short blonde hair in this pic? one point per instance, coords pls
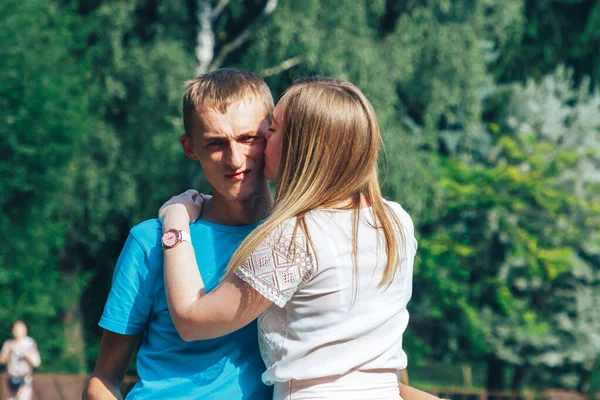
(219, 89)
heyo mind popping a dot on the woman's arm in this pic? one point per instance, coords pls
(32, 355)
(5, 352)
(195, 313)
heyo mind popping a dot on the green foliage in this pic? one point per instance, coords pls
(500, 178)
(43, 116)
(131, 160)
(557, 31)
(511, 266)
(424, 72)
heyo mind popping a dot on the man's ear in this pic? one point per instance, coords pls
(188, 146)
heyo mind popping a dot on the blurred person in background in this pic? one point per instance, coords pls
(21, 356)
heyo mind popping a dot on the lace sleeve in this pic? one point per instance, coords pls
(280, 265)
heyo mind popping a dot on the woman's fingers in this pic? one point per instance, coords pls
(193, 207)
(191, 192)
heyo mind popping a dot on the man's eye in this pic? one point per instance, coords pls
(214, 143)
(249, 139)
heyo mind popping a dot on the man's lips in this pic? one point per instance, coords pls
(238, 175)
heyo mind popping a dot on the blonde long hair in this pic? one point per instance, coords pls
(331, 142)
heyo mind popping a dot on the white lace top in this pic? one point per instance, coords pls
(321, 324)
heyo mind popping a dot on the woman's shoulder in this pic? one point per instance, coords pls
(400, 212)
(408, 227)
(285, 234)
(286, 226)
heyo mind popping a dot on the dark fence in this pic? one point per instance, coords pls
(69, 387)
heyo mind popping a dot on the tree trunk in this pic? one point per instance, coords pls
(467, 374)
(74, 352)
(205, 39)
(518, 377)
(495, 374)
(584, 381)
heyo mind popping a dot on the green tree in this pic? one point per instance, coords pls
(43, 116)
(508, 270)
(557, 32)
(130, 162)
(566, 117)
(423, 66)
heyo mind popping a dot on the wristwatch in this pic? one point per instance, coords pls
(173, 237)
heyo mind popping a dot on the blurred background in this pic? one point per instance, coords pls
(490, 112)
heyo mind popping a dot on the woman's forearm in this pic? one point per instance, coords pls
(33, 358)
(198, 315)
(183, 283)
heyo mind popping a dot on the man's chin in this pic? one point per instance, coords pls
(242, 191)
(241, 195)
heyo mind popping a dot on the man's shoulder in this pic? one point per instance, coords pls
(147, 233)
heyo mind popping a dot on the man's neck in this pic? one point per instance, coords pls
(223, 211)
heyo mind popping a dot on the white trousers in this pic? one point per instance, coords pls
(357, 385)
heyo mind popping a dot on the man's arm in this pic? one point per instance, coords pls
(114, 356)
(410, 393)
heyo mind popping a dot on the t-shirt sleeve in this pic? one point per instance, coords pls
(127, 308)
(280, 265)
(409, 250)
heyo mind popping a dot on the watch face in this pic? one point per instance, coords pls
(170, 238)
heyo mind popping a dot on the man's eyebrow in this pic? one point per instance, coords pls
(212, 137)
(250, 132)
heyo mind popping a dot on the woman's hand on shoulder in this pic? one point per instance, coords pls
(185, 207)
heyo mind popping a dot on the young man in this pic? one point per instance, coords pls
(226, 115)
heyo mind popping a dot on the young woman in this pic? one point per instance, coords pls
(328, 273)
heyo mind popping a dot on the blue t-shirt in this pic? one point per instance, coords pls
(228, 367)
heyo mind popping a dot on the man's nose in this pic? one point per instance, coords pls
(236, 155)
